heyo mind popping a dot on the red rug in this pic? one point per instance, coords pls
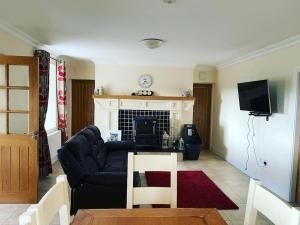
(195, 190)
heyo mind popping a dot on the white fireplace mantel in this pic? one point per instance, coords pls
(107, 110)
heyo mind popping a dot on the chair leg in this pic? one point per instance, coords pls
(64, 216)
(251, 212)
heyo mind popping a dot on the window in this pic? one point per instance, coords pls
(51, 116)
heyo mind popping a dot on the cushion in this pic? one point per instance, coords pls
(101, 156)
(95, 130)
(116, 161)
(79, 146)
(108, 179)
(90, 136)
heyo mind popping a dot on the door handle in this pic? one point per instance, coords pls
(34, 135)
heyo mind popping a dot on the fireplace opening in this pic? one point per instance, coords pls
(145, 132)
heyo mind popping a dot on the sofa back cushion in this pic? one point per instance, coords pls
(98, 150)
(95, 130)
(80, 149)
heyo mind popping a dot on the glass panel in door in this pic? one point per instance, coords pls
(2, 75)
(18, 123)
(18, 75)
(18, 99)
(3, 99)
(2, 123)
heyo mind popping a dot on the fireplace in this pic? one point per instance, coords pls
(127, 117)
(145, 132)
(116, 112)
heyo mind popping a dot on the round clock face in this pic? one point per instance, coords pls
(145, 81)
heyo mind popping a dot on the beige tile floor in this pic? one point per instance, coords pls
(233, 183)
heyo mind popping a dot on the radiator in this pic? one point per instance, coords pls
(54, 141)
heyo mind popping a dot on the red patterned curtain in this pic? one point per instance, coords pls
(45, 166)
(62, 101)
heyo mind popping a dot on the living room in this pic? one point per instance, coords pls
(181, 60)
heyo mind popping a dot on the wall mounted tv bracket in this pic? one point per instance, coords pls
(267, 115)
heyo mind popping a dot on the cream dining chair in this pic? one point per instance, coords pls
(276, 210)
(152, 195)
(56, 200)
(28, 218)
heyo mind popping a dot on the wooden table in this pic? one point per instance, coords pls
(164, 216)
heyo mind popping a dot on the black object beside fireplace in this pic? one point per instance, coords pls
(145, 133)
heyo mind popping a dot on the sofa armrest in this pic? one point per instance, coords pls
(120, 146)
(118, 179)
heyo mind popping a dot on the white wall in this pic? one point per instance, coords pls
(167, 81)
(205, 74)
(274, 139)
(11, 45)
(124, 79)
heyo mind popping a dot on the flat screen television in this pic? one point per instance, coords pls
(254, 97)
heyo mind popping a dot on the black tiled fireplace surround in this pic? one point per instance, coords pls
(126, 118)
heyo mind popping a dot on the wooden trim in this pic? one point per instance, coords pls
(173, 98)
(15, 87)
(16, 60)
(7, 96)
(34, 95)
(14, 111)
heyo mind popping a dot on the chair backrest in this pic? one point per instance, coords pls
(152, 195)
(28, 218)
(276, 210)
(56, 200)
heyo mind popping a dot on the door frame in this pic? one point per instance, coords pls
(211, 110)
(295, 167)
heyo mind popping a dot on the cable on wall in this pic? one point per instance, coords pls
(249, 143)
(253, 145)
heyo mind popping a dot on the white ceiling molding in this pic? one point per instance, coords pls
(263, 51)
(5, 26)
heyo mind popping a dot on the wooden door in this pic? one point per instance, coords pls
(202, 112)
(18, 129)
(82, 104)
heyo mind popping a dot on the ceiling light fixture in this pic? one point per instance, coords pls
(169, 1)
(152, 43)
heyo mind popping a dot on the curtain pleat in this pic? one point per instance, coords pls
(62, 101)
(45, 166)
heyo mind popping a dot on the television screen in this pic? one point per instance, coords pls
(254, 96)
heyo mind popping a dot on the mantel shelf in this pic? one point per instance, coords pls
(164, 98)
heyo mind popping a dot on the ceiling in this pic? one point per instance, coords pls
(206, 32)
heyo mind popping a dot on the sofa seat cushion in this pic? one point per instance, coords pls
(108, 179)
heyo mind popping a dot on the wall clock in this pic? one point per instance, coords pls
(145, 81)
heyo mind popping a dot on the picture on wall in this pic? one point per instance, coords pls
(115, 135)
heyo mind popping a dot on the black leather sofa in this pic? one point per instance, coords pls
(96, 171)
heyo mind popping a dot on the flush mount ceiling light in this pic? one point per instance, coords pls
(152, 43)
(169, 1)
